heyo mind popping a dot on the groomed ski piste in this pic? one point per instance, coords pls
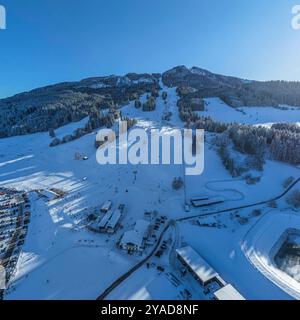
(263, 241)
(220, 111)
(61, 259)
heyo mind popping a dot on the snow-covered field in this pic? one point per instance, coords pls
(262, 242)
(62, 260)
(220, 111)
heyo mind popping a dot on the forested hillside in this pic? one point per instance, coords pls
(50, 107)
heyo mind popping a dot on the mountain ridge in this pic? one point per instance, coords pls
(55, 105)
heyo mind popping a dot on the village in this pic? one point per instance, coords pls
(181, 265)
(143, 234)
(14, 221)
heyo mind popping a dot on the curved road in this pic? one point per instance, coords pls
(245, 206)
(136, 267)
(242, 196)
(142, 262)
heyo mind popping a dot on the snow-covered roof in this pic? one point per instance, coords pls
(48, 194)
(228, 293)
(107, 205)
(199, 266)
(104, 220)
(131, 237)
(10, 201)
(198, 202)
(141, 226)
(114, 219)
(136, 235)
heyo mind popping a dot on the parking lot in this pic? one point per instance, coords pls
(14, 221)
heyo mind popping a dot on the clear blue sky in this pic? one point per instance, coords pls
(49, 41)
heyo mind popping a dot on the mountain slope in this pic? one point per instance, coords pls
(57, 105)
(234, 91)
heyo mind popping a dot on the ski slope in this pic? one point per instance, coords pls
(57, 240)
(62, 260)
(220, 111)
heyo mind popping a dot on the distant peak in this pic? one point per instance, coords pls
(200, 71)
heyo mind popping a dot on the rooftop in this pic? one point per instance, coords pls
(131, 237)
(107, 205)
(141, 226)
(136, 235)
(114, 219)
(199, 266)
(104, 220)
(228, 293)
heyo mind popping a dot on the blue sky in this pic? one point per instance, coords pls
(49, 41)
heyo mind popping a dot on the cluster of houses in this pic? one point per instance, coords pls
(144, 234)
(108, 221)
(212, 283)
(14, 221)
(134, 240)
(50, 194)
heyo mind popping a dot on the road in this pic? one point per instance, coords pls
(136, 267)
(232, 190)
(172, 222)
(245, 206)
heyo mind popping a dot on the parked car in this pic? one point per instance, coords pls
(206, 291)
(160, 268)
(187, 293)
(158, 253)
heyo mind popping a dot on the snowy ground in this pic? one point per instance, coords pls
(62, 260)
(220, 111)
(222, 248)
(262, 242)
(56, 239)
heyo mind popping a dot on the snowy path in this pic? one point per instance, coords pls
(244, 206)
(226, 190)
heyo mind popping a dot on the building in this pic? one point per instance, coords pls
(206, 275)
(106, 206)
(196, 265)
(113, 221)
(47, 194)
(133, 240)
(14, 213)
(109, 223)
(228, 293)
(206, 201)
